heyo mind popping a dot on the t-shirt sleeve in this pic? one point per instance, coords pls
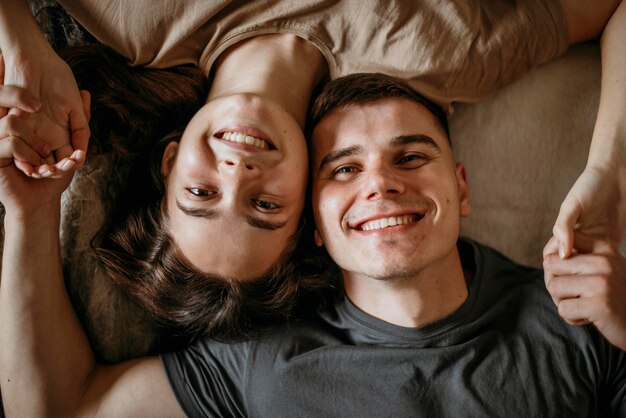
(208, 378)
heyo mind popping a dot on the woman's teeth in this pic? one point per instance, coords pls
(387, 222)
(245, 139)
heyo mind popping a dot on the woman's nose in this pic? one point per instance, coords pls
(240, 167)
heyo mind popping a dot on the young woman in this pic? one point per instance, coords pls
(235, 183)
(211, 247)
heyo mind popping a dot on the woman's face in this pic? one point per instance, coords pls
(235, 185)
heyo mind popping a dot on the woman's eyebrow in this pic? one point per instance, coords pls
(209, 213)
(262, 224)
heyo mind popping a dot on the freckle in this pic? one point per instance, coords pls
(448, 200)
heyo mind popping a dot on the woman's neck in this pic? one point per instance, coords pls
(280, 67)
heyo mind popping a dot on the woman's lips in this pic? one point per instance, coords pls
(246, 136)
(245, 139)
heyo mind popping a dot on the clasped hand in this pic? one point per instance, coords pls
(596, 205)
(22, 151)
(589, 286)
(42, 109)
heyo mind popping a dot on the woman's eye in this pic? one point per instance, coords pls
(265, 205)
(198, 192)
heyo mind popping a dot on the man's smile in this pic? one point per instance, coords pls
(388, 222)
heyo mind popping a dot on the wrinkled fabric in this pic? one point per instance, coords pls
(504, 353)
(456, 50)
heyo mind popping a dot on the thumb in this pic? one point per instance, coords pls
(1, 68)
(86, 98)
(551, 247)
(564, 228)
(79, 125)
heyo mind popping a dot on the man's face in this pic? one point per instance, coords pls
(387, 195)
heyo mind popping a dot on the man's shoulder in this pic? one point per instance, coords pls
(493, 266)
(517, 295)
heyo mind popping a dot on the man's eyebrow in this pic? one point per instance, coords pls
(340, 153)
(414, 139)
(213, 213)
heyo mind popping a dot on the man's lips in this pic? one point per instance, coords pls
(380, 222)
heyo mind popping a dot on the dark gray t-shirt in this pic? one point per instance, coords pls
(504, 353)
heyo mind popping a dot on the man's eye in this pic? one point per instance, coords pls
(198, 192)
(265, 205)
(411, 158)
(345, 172)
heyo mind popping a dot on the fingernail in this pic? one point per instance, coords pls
(79, 155)
(68, 165)
(45, 150)
(562, 251)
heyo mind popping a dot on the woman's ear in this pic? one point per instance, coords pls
(318, 238)
(169, 156)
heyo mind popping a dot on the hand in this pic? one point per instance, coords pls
(16, 126)
(20, 194)
(23, 195)
(61, 121)
(596, 205)
(28, 154)
(590, 286)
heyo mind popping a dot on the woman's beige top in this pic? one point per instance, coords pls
(456, 50)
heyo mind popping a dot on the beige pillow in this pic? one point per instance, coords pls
(523, 150)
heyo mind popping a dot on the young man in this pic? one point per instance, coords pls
(424, 323)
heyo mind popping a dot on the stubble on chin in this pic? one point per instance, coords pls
(397, 274)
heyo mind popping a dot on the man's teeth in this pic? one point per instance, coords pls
(387, 222)
(245, 139)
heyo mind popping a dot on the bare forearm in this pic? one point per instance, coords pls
(19, 32)
(596, 204)
(608, 145)
(45, 358)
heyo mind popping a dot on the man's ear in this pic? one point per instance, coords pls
(169, 156)
(464, 199)
(318, 238)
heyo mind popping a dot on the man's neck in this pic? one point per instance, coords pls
(434, 293)
(282, 68)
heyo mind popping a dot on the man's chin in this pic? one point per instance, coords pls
(393, 272)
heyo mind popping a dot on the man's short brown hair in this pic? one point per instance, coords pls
(364, 88)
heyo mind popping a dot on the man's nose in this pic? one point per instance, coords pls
(381, 182)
